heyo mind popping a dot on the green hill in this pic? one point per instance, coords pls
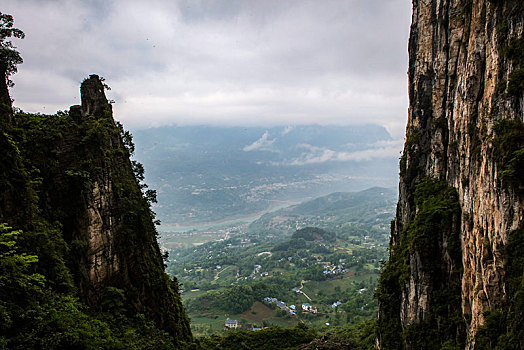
(334, 212)
(314, 234)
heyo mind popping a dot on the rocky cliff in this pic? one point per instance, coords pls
(460, 209)
(69, 184)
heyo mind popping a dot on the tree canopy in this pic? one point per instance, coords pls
(9, 57)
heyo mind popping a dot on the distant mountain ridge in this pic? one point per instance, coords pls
(342, 201)
(207, 173)
(373, 206)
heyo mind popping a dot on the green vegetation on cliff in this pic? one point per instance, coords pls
(421, 255)
(508, 145)
(80, 267)
(48, 300)
(50, 167)
(34, 314)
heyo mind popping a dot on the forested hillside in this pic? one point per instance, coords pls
(79, 263)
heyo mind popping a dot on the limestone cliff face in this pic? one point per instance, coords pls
(112, 217)
(465, 85)
(97, 221)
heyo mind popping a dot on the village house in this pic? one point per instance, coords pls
(306, 307)
(282, 305)
(336, 304)
(230, 324)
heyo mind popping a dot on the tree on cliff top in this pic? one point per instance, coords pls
(9, 57)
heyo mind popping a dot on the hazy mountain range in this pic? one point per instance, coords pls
(206, 173)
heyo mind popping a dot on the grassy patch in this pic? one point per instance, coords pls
(258, 312)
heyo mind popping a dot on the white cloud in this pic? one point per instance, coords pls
(378, 150)
(287, 130)
(225, 63)
(262, 144)
(315, 156)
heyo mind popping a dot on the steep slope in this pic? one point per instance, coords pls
(460, 209)
(69, 177)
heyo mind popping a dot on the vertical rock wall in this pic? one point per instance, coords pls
(465, 77)
(113, 218)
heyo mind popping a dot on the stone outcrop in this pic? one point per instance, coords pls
(113, 217)
(93, 98)
(96, 221)
(465, 79)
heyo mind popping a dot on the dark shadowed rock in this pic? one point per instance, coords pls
(93, 97)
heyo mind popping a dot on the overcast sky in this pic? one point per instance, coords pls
(221, 62)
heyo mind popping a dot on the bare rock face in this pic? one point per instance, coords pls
(465, 81)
